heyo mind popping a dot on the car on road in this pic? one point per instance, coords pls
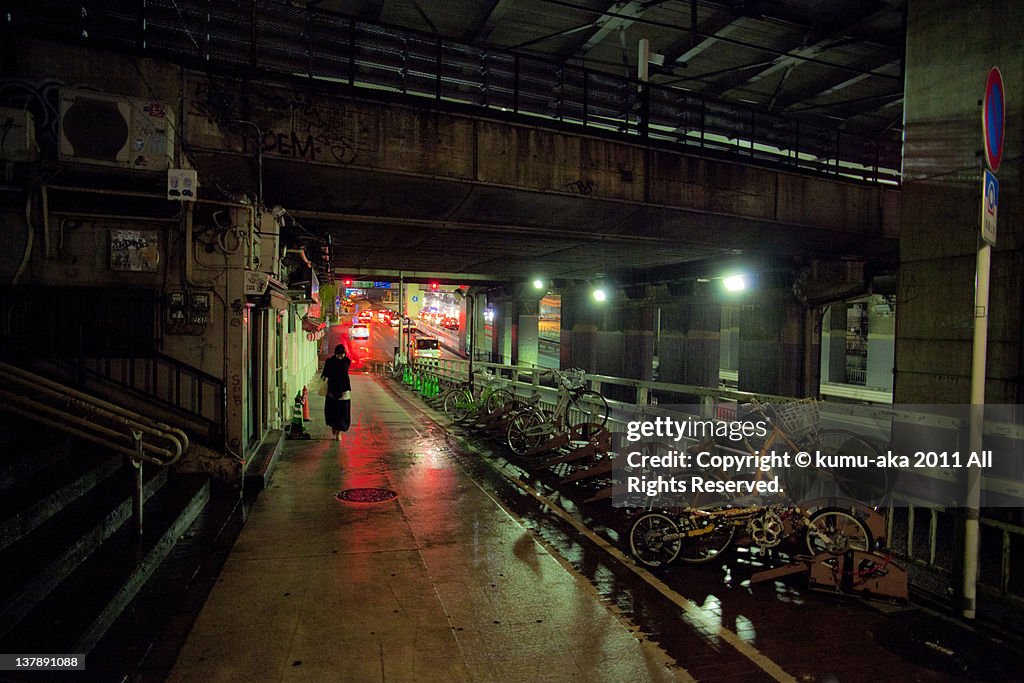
(425, 347)
(359, 331)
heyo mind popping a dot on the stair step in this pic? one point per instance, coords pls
(38, 562)
(46, 448)
(74, 616)
(37, 497)
(143, 644)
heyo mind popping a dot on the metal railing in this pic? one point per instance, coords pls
(87, 417)
(138, 438)
(167, 381)
(272, 38)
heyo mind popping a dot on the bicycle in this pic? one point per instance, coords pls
(576, 408)
(657, 539)
(460, 401)
(393, 369)
(704, 528)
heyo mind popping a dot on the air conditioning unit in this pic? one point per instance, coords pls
(17, 135)
(110, 130)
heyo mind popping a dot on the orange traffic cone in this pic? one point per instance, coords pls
(305, 404)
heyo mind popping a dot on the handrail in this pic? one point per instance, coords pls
(87, 417)
(122, 371)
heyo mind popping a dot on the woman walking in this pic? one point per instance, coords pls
(338, 402)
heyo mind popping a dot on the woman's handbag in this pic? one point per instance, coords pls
(346, 396)
(322, 389)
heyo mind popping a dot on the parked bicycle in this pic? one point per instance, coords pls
(576, 407)
(461, 401)
(707, 526)
(393, 369)
(693, 535)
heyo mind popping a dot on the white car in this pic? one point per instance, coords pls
(359, 331)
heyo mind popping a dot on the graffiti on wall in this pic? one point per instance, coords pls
(290, 122)
(134, 250)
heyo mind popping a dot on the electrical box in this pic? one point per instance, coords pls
(111, 130)
(199, 313)
(187, 312)
(17, 135)
(177, 307)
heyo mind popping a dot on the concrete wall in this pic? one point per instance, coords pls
(73, 249)
(950, 49)
(300, 124)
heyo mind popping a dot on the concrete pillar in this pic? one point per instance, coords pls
(527, 331)
(881, 344)
(638, 340)
(729, 357)
(504, 330)
(581, 319)
(833, 345)
(689, 343)
(950, 49)
(778, 351)
(236, 349)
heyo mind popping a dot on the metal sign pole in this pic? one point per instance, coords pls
(972, 501)
(993, 115)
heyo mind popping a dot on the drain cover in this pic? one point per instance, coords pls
(366, 495)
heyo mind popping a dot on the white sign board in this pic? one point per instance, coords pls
(989, 207)
(182, 184)
(256, 283)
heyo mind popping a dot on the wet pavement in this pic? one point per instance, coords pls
(480, 571)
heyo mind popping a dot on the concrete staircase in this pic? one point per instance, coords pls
(71, 559)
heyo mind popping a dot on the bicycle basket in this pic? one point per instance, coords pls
(799, 419)
(573, 379)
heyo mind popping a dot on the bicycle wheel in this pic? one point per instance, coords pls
(714, 539)
(497, 400)
(458, 404)
(525, 431)
(871, 484)
(835, 530)
(587, 407)
(647, 541)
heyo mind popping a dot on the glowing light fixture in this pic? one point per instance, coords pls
(538, 284)
(735, 283)
(600, 295)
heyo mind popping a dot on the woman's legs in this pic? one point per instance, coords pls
(346, 415)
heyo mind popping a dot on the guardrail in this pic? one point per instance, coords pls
(331, 50)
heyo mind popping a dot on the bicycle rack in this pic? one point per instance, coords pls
(855, 572)
(585, 441)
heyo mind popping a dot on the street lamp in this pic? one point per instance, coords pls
(734, 283)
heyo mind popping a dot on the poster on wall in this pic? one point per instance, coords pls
(134, 250)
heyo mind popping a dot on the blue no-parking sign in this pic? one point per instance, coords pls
(993, 115)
